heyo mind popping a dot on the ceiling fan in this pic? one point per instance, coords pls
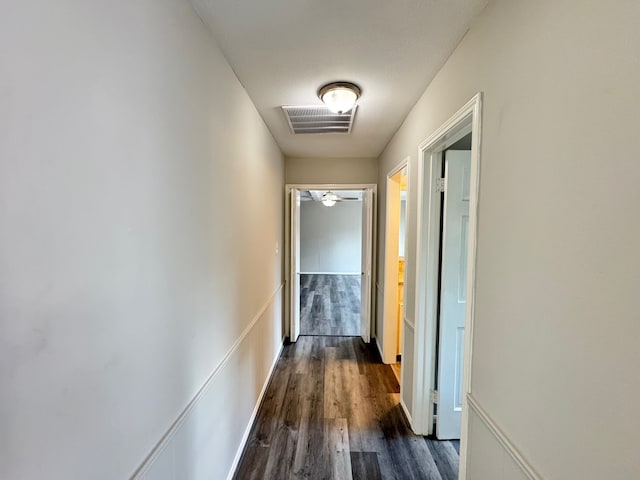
(328, 198)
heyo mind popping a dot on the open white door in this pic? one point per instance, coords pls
(453, 293)
(295, 265)
(366, 252)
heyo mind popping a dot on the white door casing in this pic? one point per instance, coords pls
(295, 264)
(467, 119)
(293, 253)
(453, 293)
(366, 253)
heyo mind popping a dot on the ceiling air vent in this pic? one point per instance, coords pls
(318, 119)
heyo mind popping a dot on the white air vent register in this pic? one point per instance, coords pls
(318, 119)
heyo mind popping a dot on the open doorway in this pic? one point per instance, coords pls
(448, 184)
(330, 262)
(394, 261)
(330, 259)
(452, 284)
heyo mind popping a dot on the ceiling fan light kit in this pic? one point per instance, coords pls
(339, 97)
(329, 199)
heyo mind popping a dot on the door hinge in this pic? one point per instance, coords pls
(441, 185)
(435, 397)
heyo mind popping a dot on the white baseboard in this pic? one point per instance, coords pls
(379, 348)
(409, 324)
(502, 439)
(247, 431)
(406, 411)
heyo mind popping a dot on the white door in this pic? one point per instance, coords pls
(453, 293)
(366, 252)
(295, 265)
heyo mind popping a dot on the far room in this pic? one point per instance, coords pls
(330, 262)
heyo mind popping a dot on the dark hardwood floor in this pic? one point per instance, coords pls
(332, 411)
(329, 304)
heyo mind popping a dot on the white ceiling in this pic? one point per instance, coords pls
(283, 50)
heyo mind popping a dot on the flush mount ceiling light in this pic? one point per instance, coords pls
(339, 97)
(329, 199)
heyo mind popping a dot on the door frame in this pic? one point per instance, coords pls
(430, 157)
(389, 311)
(290, 327)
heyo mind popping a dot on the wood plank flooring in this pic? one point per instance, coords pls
(329, 304)
(395, 367)
(332, 411)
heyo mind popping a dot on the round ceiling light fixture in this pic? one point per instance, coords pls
(339, 97)
(329, 199)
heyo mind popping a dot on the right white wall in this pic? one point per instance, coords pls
(557, 326)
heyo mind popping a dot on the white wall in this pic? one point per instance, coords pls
(331, 237)
(126, 273)
(557, 324)
(331, 170)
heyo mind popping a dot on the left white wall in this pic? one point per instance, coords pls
(128, 275)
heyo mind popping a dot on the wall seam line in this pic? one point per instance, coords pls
(504, 441)
(168, 435)
(254, 414)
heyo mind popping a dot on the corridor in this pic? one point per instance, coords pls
(332, 411)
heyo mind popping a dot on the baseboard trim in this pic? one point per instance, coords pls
(509, 447)
(163, 442)
(409, 324)
(379, 348)
(245, 436)
(406, 412)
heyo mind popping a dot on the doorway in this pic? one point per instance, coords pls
(452, 296)
(330, 262)
(330, 272)
(448, 183)
(394, 262)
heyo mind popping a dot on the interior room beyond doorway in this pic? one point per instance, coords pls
(394, 297)
(330, 262)
(392, 307)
